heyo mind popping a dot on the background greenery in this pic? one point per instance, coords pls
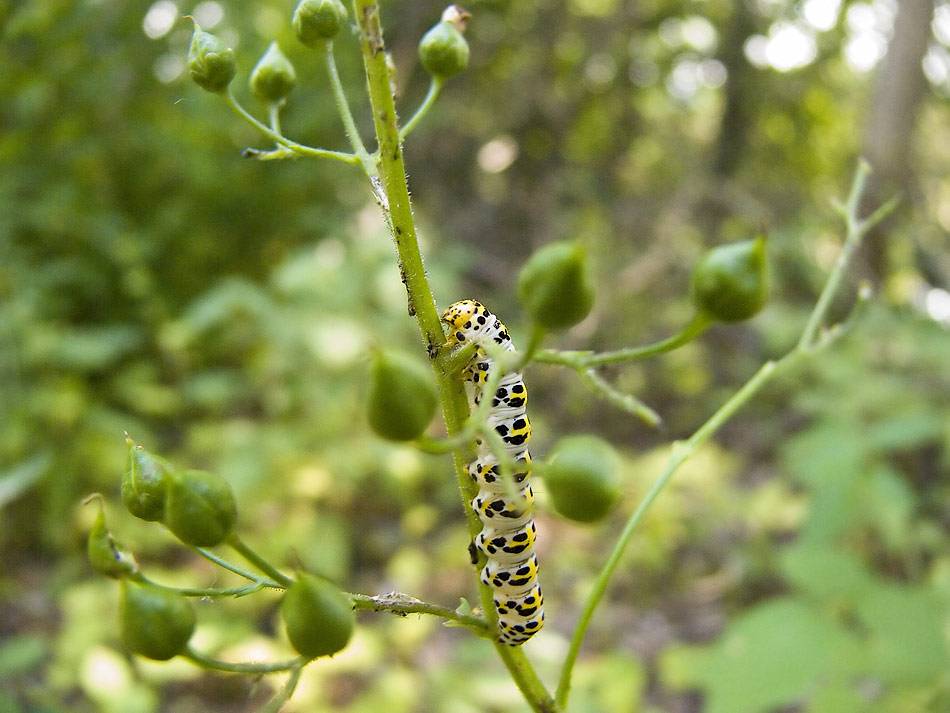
(220, 310)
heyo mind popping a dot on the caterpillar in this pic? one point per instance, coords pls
(508, 532)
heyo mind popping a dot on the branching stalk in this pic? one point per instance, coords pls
(807, 346)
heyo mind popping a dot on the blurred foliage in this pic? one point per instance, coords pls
(221, 311)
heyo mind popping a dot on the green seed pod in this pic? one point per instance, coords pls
(211, 62)
(730, 283)
(402, 397)
(108, 556)
(555, 285)
(200, 508)
(581, 478)
(273, 76)
(318, 616)
(145, 483)
(155, 622)
(318, 21)
(443, 50)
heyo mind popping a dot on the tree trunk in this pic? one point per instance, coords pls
(899, 88)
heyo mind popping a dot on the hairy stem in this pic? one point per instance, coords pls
(393, 195)
(206, 661)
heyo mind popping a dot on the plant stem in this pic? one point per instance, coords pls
(255, 559)
(283, 140)
(435, 86)
(402, 604)
(208, 591)
(398, 212)
(586, 360)
(240, 571)
(206, 661)
(343, 106)
(805, 348)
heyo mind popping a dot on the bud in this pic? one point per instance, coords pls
(273, 76)
(200, 509)
(154, 622)
(211, 62)
(318, 21)
(581, 478)
(107, 555)
(730, 283)
(144, 483)
(402, 397)
(555, 285)
(318, 616)
(443, 50)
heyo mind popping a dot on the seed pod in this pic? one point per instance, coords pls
(154, 622)
(730, 283)
(144, 483)
(402, 397)
(318, 616)
(211, 62)
(107, 555)
(200, 509)
(318, 21)
(555, 285)
(273, 76)
(443, 50)
(581, 478)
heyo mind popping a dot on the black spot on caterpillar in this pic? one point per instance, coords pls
(508, 531)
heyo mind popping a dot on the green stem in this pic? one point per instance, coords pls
(206, 661)
(682, 450)
(343, 106)
(283, 695)
(208, 591)
(403, 605)
(240, 571)
(855, 230)
(525, 677)
(435, 86)
(283, 140)
(255, 559)
(625, 402)
(586, 360)
(398, 212)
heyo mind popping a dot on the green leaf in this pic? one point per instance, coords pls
(16, 480)
(825, 573)
(908, 640)
(771, 656)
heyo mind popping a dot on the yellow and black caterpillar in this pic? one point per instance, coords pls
(508, 531)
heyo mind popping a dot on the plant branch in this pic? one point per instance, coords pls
(403, 604)
(393, 194)
(206, 661)
(343, 106)
(283, 140)
(255, 559)
(435, 86)
(240, 571)
(807, 346)
(587, 360)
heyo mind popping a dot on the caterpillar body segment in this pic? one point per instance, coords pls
(504, 503)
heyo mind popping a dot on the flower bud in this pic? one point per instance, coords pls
(402, 397)
(730, 283)
(317, 21)
(211, 62)
(581, 478)
(107, 555)
(318, 616)
(154, 622)
(144, 483)
(273, 76)
(200, 508)
(443, 50)
(555, 285)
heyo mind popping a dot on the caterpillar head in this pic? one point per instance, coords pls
(460, 317)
